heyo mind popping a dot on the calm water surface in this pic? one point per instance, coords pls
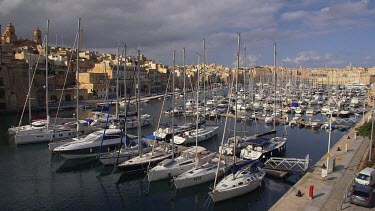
(32, 179)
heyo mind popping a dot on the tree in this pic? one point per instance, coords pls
(365, 130)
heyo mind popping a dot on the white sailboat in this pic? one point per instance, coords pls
(130, 148)
(203, 173)
(47, 134)
(241, 180)
(201, 134)
(158, 153)
(173, 167)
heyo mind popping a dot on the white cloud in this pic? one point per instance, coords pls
(314, 59)
(294, 15)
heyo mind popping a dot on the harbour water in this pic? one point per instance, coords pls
(32, 179)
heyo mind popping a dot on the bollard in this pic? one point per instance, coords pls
(311, 191)
(346, 147)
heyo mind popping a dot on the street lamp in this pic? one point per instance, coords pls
(372, 131)
(329, 141)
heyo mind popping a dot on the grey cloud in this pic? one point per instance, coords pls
(156, 25)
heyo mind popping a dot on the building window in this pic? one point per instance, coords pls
(3, 106)
(1, 81)
(2, 94)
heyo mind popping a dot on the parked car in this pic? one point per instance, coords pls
(366, 177)
(361, 195)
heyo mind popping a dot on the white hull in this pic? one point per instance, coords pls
(124, 155)
(167, 173)
(175, 168)
(235, 185)
(190, 137)
(200, 175)
(61, 133)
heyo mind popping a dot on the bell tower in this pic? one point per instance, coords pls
(37, 36)
(10, 34)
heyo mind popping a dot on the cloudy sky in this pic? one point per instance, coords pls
(308, 33)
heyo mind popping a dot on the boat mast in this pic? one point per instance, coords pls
(47, 112)
(244, 72)
(235, 103)
(197, 120)
(183, 63)
(274, 79)
(204, 79)
(77, 74)
(29, 88)
(117, 80)
(126, 105)
(138, 104)
(173, 100)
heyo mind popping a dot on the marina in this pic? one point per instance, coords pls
(90, 181)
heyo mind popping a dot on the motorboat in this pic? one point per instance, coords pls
(94, 144)
(263, 148)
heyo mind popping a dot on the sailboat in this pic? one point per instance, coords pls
(204, 172)
(173, 167)
(204, 133)
(130, 149)
(263, 148)
(186, 161)
(159, 152)
(242, 180)
(56, 133)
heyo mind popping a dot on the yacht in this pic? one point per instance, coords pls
(240, 182)
(191, 136)
(203, 173)
(61, 132)
(130, 150)
(148, 160)
(92, 145)
(263, 148)
(173, 167)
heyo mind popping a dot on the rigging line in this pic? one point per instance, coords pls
(164, 98)
(106, 122)
(66, 76)
(32, 80)
(224, 131)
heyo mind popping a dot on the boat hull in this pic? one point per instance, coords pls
(234, 192)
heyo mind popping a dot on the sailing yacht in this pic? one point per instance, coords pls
(202, 134)
(60, 132)
(203, 173)
(130, 150)
(158, 153)
(150, 159)
(242, 180)
(239, 182)
(174, 167)
(57, 133)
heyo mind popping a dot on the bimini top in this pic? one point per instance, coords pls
(257, 141)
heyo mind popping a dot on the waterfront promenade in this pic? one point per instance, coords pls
(329, 191)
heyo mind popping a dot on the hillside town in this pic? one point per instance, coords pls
(22, 62)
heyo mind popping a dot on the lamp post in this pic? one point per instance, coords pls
(372, 131)
(329, 142)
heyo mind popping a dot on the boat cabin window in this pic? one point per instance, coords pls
(188, 162)
(240, 183)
